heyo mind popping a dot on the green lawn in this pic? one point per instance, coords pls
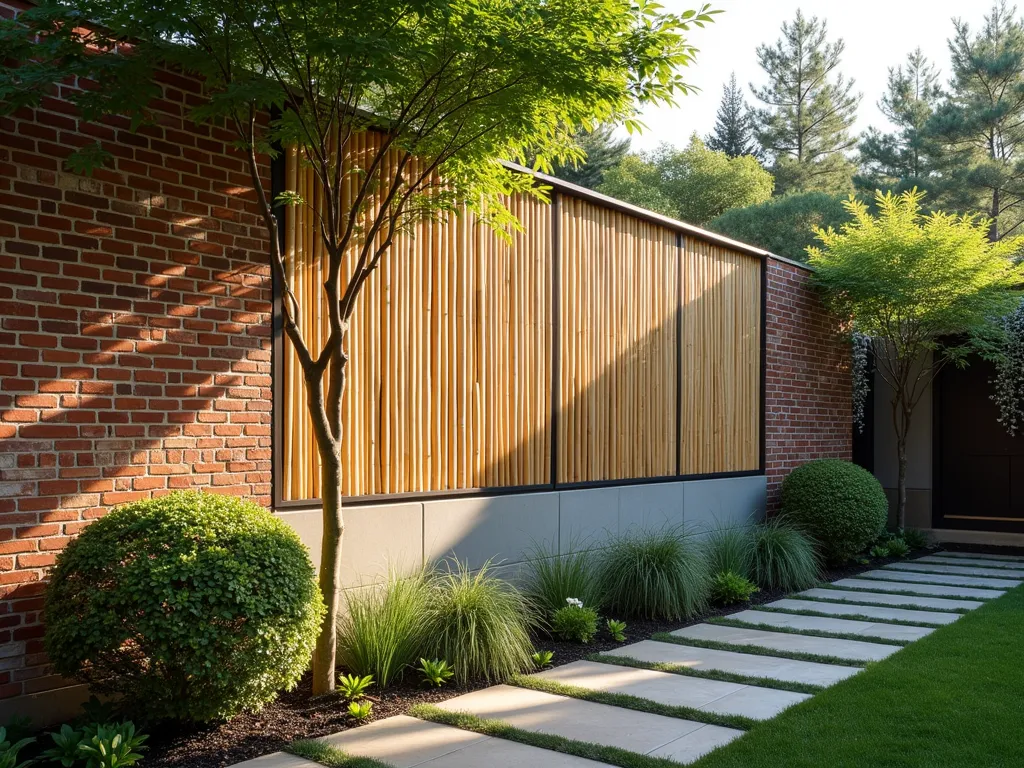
(955, 698)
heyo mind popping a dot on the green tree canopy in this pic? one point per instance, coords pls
(733, 132)
(906, 157)
(602, 151)
(981, 125)
(784, 225)
(694, 184)
(456, 85)
(809, 109)
(926, 289)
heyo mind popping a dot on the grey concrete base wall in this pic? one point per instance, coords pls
(504, 529)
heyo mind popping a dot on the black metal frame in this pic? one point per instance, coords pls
(560, 187)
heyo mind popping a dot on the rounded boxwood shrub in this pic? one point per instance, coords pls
(191, 606)
(842, 506)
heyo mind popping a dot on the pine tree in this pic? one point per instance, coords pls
(904, 158)
(732, 133)
(603, 152)
(810, 107)
(981, 125)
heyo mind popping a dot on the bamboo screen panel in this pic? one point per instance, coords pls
(618, 344)
(450, 356)
(721, 350)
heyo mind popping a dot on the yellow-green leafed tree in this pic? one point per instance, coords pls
(926, 289)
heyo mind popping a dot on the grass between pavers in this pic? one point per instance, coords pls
(708, 674)
(757, 650)
(726, 621)
(907, 606)
(849, 616)
(502, 730)
(320, 751)
(952, 699)
(904, 592)
(932, 572)
(627, 701)
(891, 580)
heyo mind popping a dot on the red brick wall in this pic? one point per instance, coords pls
(809, 407)
(134, 337)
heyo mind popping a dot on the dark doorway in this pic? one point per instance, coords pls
(979, 468)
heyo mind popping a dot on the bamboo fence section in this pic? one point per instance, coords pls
(452, 351)
(618, 305)
(449, 375)
(720, 397)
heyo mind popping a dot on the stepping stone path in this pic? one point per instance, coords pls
(766, 646)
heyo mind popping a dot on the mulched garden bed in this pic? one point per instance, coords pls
(295, 715)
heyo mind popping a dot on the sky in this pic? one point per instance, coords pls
(878, 35)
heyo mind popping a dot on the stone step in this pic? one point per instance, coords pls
(968, 568)
(999, 565)
(930, 590)
(405, 742)
(844, 626)
(884, 598)
(854, 650)
(871, 611)
(734, 662)
(982, 556)
(676, 690)
(676, 739)
(938, 578)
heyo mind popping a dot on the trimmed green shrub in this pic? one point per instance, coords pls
(479, 622)
(575, 623)
(551, 578)
(654, 575)
(842, 506)
(381, 633)
(191, 606)
(783, 557)
(729, 550)
(728, 588)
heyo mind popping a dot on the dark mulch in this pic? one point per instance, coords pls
(295, 715)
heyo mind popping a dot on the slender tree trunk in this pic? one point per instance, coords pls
(330, 572)
(993, 230)
(901, 502)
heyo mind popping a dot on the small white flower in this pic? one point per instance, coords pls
(574, 601)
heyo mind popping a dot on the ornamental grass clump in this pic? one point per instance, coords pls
(192, 606)
(728, 549)
(381, 633)
(783, 557)
(478, 622)
(551, 578)
(655, 575)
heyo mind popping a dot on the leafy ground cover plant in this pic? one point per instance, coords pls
(477, 621)
(879, 550)
(915, 538)
(111, 746)
(192, 606)
(353, 687)
(550, 578)
(381, 633)
(360, 710)
(575, 623)
(9, 751)
(898, 548)
(728, 588)
(435, 672)
(655, 575)
(783, 556)
(842, 506)
(542, 659)
(617, 629)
